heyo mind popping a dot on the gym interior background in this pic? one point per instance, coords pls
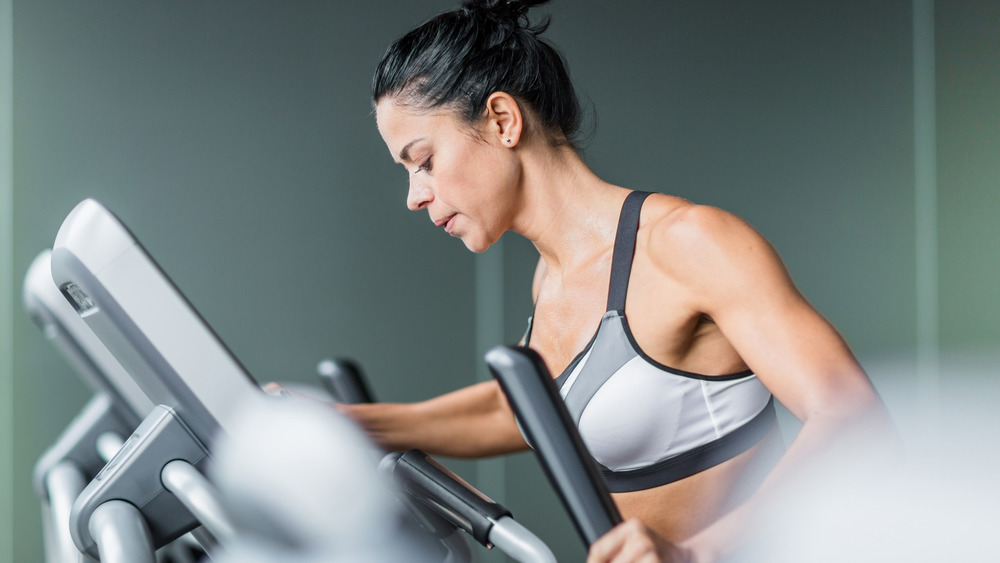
(236, 139)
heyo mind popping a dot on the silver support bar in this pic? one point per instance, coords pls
(48, 535)
(121, 534)
(199, 496)
(63, 483)
(518, 542)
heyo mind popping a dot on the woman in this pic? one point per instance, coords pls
(672, 324)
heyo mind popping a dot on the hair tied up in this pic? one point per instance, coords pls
(513, 11)
(457, 59)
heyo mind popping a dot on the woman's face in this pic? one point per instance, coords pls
(462, 175)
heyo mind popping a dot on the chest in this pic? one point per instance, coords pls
(568, 314)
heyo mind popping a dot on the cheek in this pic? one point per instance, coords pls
(466, 173)
(475, 175)
(492, 170)
(500, 182)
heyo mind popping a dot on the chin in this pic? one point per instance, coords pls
(477, 244)
(477, 248)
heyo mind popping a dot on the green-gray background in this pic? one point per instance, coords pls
(235, 138)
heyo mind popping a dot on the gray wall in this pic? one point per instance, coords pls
(7, 310)
(235, 139)
(969, 172)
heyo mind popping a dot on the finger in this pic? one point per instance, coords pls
(605, 548)
(345, 410)
(634, 542)
(610, 544)
(273, 388)
(638, 547)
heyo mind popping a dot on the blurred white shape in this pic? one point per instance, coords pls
(897, 517)
(302, 485)
(941, 502)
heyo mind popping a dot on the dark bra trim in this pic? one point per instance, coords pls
(561, 379)
(638, 350)
(624, 250)
(695, 460)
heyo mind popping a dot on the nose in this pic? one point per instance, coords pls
(419, 195)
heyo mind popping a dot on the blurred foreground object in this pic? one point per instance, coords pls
(302, 484)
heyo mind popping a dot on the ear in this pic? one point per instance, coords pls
(504, 119)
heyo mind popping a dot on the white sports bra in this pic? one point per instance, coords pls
(647, 424)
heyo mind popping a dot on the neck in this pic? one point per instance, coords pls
(567, 212)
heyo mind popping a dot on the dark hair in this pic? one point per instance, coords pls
(461, 57)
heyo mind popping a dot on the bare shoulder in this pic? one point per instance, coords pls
(706, 246)
(678, 228)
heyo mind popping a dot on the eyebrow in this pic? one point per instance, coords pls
(405, 153)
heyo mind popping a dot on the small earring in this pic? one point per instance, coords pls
(508, 141)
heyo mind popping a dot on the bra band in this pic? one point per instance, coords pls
(695, 460)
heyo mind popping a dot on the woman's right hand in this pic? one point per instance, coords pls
(633, 542)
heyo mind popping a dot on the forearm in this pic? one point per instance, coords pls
(472, 422)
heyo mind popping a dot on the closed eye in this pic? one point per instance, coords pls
(425, 166)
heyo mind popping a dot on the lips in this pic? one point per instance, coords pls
(447, 222)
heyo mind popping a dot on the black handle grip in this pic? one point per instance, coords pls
(549, 429)
(343, 380)
(444, 492)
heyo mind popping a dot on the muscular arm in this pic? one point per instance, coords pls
(737, 279)
(794, 351)
(731, 274)
(475, 421)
